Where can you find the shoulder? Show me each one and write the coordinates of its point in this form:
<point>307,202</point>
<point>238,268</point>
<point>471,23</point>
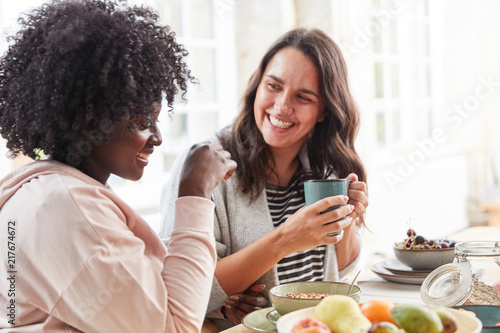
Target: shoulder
<point>229,196</point>
<point>62,190</point>
<point>48,179</point>
<point>65,207</point>
<point>71,186</point>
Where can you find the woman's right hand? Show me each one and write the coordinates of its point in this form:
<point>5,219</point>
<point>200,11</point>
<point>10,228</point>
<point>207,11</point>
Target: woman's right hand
<point>206,165</point>
<point>238,305</point>
<point>308,227</point>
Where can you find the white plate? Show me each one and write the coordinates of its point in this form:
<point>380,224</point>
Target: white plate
<point>397,267</point>
<point>386,274</point>
<point>467,323</point>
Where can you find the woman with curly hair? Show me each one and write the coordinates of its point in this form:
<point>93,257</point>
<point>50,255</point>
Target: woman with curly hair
<point>82,83</point>
<point>298,122</point>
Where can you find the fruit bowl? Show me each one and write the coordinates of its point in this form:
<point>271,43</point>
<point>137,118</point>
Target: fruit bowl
<point>420,253</point>
<point>285,298</point>
<point>424,259</point>
<point>466,323</point>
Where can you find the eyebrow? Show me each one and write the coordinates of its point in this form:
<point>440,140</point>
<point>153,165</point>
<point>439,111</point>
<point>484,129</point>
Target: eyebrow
<point>305,91</point>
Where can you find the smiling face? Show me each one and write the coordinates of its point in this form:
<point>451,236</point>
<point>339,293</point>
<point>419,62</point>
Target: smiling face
<point>288,102</point>
<point>126,152</point>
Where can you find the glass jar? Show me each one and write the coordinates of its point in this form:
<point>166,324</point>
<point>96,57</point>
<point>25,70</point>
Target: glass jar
<point>469,279</point>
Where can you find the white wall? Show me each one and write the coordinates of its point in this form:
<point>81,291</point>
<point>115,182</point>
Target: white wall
<point>432,198</point>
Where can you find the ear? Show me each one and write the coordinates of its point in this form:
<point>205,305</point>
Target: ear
<point>322,116</point>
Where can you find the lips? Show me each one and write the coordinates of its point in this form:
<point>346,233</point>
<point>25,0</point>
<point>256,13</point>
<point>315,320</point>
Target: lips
<point>279,123</point>
<point>143,157</point>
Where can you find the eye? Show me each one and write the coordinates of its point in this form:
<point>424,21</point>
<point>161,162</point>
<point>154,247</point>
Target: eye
<point>303,98</point>
<point>144,125</point>
<point>272,86</point>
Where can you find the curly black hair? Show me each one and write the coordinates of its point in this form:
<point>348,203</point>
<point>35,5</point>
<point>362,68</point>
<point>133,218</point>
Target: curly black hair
<point>77,68</point>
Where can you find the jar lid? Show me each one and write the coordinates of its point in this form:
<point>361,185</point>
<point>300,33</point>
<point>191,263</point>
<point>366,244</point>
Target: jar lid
<point>448,285</point>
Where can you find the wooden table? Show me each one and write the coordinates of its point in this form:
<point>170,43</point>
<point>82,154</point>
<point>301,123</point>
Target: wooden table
<point>374,287</point>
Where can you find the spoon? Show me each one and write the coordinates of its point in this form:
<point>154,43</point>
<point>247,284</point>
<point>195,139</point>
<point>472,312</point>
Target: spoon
<point>349,290</point>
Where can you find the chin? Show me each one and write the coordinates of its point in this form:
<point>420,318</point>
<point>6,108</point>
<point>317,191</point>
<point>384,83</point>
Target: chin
<point>133,176</point>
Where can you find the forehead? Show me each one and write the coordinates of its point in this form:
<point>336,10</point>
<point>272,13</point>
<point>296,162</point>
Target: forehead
<point>294,67</point>
<point>152,110</point>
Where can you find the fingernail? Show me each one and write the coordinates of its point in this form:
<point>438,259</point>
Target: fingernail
<point>234,298</point>
<point>227,306</point>
<point>346,198</point>
<point>351,208</point>
<point>349,219</point>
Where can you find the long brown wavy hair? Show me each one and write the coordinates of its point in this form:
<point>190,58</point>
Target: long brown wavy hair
<point>330,143</point>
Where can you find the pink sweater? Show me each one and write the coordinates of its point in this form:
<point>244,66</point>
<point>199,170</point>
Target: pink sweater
<point>74,257</point>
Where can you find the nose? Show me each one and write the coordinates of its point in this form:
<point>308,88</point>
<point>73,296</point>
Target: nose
<point>155,137</point>
<point>283,104</point>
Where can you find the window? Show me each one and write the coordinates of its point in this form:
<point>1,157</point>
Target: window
<point>9,13</point>
<point>206,29</point>
<point>403,76</point>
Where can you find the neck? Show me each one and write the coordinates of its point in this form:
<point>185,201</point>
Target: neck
<point>285,167</point>
<point>94,171</point>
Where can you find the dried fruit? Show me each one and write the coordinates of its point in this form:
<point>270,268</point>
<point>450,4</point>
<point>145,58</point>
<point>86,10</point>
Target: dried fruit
<point>415,242</point>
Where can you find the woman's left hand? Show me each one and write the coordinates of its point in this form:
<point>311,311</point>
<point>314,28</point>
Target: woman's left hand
<point>358,196</point>
<point>238,305</point>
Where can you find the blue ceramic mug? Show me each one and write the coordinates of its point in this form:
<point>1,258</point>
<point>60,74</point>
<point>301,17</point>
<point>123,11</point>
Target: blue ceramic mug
<point>317,189</point>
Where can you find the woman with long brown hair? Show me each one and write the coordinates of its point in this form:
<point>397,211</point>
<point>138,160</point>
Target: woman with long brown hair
<point>298,122</point>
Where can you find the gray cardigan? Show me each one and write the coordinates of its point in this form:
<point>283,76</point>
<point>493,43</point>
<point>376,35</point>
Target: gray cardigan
<point>238,223</point>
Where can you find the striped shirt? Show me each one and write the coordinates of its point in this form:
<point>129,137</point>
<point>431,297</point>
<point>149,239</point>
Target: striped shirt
<point>302,265</point>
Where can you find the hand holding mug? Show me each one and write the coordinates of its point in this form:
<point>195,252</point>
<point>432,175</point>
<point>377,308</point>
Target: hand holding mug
<point>315,190</point>
<point>311,226</point>
<point>358,196</point>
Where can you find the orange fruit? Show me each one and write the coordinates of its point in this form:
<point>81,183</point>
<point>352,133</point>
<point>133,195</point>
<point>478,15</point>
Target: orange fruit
<point>377,310</point>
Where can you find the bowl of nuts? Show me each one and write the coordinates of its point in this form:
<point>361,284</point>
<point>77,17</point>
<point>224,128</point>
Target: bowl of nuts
<point>421,253</point>
<point>293,296</point>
